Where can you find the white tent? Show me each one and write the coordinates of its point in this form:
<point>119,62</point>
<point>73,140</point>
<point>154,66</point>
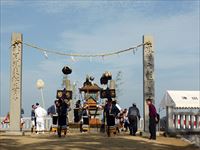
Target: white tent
<point>181,99</point>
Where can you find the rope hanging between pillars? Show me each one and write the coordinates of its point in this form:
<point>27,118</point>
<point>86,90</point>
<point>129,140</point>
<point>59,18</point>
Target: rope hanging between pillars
<point>46,51</point>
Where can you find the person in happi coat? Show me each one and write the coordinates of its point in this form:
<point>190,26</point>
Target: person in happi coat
<point>111,111</point>
<point>33,118</point>
<point>62,115</point>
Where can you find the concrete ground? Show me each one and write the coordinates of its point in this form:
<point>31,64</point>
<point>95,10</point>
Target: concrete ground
<point>90,141</point>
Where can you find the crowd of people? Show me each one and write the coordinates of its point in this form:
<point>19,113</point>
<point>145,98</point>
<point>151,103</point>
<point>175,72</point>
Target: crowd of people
<point>128,119</point>
<point>58,112</point>
<point>123,119</point>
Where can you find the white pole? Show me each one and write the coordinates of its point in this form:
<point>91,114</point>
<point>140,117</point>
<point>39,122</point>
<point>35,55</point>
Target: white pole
<point>184,121</point>
<point>42,97</point>
<point>40,86</point>
<point>199,122</point>
<point>179,121</point>
<point>195,123</point>
<point>174,121</point>
<point>189,121</point>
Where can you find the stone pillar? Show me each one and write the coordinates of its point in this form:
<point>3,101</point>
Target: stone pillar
<point>169,114</point>
<point>15,82</point>
<point>112,84</point>
<point>148,77</point>
<point>67,85</point>
<point>69,88</point>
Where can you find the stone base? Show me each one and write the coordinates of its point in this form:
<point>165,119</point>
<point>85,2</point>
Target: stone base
<point>158,133</point>
<point>147,134</point>
<point>15,133</point>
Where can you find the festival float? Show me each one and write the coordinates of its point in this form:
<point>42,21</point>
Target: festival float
<point>91,113</point>
<point>91,110</point>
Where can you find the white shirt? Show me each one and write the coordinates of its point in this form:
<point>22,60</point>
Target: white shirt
<point>40,112</point>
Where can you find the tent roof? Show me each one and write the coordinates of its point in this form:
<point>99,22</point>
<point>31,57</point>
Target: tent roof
<point>181,99</point>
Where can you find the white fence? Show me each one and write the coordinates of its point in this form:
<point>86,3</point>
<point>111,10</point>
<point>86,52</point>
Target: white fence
<point>183,122</point>
<point>48,123</point>
<point>27,124</point>
<point>186,121</point>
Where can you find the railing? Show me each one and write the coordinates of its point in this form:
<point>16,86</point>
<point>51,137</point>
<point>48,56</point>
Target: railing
<point>141,124</point>
<point>184,122</point>
<point>27,124</point>
<point>48,122</point>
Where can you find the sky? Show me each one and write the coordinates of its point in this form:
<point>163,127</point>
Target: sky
<point>92,27</point>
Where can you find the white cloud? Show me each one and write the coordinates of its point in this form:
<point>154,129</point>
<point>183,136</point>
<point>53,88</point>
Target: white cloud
<point>176,44</point>
<point>9,2</point>
<point>172,35</point>
<point>8,29</point>
<point>58,6</point>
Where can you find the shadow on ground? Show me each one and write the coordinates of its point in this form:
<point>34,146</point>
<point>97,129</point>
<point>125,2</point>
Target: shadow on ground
<point>86,141</point>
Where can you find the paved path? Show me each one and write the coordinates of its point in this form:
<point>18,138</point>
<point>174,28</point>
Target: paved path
<point>90,141</point>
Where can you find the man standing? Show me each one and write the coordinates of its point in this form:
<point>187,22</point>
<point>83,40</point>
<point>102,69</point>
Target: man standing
<point>33,118</point>
<point>84,125</point>
<point>133,116</point>
<point>52,112</point>
<point>77,111</point>
<point>52,109</point>
<point>126,122</point>
<point>40,113</point>
<point>62,115</point>
<point>111,111</point>
<point>152,119</point>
